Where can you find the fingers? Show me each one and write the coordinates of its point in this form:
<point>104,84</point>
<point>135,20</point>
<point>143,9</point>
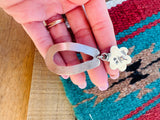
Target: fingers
<point>60,34</point>
<point>83,35</point>
<point>102,28</point>
<point>39,35</point>
<point>41,39</point>
<point>101,23</point>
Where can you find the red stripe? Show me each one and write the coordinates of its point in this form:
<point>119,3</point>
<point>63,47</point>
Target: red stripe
<point>153,114</point>
<point>139,30</point>
<point>140,108</point>
<point>132,11</point>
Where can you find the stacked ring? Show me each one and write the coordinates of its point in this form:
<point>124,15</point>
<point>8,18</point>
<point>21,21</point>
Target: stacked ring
<point>55,22</point>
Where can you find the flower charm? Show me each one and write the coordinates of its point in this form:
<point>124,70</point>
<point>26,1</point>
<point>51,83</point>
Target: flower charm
<point>118,58</point>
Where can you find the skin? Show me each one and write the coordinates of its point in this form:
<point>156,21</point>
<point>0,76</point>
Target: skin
<point>96,31</point>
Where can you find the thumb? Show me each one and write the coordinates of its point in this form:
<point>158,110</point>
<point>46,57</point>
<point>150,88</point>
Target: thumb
<point>79,2</point>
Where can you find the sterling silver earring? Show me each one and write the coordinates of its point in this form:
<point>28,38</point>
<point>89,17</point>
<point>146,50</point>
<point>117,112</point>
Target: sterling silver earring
<point>117,58</point>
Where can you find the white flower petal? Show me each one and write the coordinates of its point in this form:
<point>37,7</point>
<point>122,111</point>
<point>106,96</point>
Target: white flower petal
<point>129,59</point>
<point>113,66</point>
<point>114,49</point>
<point>122,67</point>
<point>124,49</point>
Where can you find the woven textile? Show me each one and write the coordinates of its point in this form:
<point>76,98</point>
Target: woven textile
<point>135,95</point>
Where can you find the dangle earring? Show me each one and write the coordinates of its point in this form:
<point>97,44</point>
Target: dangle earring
<point>117,58</point>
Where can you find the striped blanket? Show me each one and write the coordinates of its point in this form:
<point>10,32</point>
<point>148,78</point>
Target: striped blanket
<point>135,95</point>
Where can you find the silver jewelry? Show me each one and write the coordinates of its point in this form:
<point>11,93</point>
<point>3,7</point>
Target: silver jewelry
<point>54,23</point>
<point>117,58</point>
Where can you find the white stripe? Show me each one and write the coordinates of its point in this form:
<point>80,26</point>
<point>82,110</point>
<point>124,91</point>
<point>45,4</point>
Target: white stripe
<point>114,3</point>
<point>90,116</point>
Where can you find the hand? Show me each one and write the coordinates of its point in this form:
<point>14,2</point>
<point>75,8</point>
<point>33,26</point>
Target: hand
<point>95,30</point>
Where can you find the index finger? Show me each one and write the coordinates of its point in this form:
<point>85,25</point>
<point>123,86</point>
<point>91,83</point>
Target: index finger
<point>102,28</point>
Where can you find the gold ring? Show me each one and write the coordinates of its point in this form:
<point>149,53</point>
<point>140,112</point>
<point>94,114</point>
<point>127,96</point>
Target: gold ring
<point>55,22</point>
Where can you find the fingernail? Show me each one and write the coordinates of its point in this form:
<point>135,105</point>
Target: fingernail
<point>103,88</point>
<point>114,76</point>
<point>65,76</point>
<point>82,86</point>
